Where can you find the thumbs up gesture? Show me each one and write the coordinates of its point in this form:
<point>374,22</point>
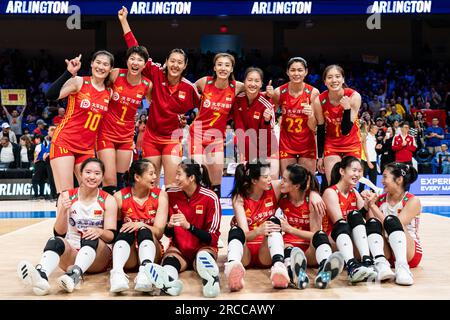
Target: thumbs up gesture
<point>269,89</point>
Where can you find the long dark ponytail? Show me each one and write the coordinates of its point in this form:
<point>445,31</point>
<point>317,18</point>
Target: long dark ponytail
<point>346,162</point>
<point>200,172</point>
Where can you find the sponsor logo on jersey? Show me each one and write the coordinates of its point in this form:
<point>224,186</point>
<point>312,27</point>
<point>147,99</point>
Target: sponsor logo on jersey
<point>353,204</point>
<point>257,115</point>
<point>182,95</point>
<point>228,98</point>
<point>151,212</point>
<point>72,222</point>
<point>119,88</point>
<point>199,209</point>
<point>207,103</point>
<point>115,96</point>
<point>129,211</point>
<point>139,96</point>
<point>98,212</point>
<point>248,212</point>
<point>85,103</point>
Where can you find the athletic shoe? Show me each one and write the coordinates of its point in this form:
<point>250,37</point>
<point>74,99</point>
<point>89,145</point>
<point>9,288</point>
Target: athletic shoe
<point>209,271</point>
<point>403,275</point>
<point>159,278</point>
<point>356,271</point>
<point>383,268</point>
<point>34,278</point>
<point>235,272</point>
<point>329,269</point>
<point>367,262</point>
<point>279,276</point>
<point>70,279</point>
<point>298,266</point>
<point>142,283</point>
<point>118,281</point>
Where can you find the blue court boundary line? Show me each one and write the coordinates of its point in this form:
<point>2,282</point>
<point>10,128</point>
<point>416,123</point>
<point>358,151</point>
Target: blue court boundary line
<point>437,210</point>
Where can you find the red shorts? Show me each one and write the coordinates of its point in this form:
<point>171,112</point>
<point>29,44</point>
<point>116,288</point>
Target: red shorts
<point>189,256</point>
<point>154,149</point>
<point>254,255</point>
<point>330,150</point>
<point>414,262</point>
<point>199,148</point>
<point>104,143</point>
<point>289,154</point>
<point>58,152</point>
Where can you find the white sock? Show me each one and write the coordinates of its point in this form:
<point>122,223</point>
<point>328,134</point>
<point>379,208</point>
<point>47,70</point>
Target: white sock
<point>85,258</point>
<point>49,262</point>
<point>121,253</point>
<point>171,271</point>
<point>359,235</point>
<point>323,252</point>
<point>276,244</point>
<point>235,250</point>
<point>397,241</point>
<point>345,246</point>
<point>147,251</point>
<point>376,244</point>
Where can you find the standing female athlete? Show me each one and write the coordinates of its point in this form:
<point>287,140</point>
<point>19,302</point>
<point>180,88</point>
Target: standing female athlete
<point>115,136</point>
<point>207,131</point>
<point>302,229</point>
<point>338,133</point>
<point>172,97</point>
<point>142,218</point>
<point>85,225</point>
<point>74,138</point>
<point>298,123</point>
<point>254,119</point>
<point>194,223</point>
<point>345,218</point>
<point>399,211</point>
<point>255,239</point>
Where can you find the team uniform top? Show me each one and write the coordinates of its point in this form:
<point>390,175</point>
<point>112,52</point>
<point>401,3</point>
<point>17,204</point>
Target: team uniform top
<point>333,119</point>
<point>118,124</point>
<point>295,134</point>
<point>258,211</point>
<point>215,107</point>
<point>297,217</point>
<point>168,102</point>
<point>203,211</point>
<point>413,226</point>
<point>347,205</point>
<point>250,116</point>
<point>132,211</point>
<point>83,216</point>
<point>77,132</point>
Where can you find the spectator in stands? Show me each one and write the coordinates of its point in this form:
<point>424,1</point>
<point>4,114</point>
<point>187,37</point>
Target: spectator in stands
<point>374,104</point>
<point>404,145</point>
<point>421,126</point>
<point>40,129</point>
<point>381,130</point>
<point>442,158</point>
<point>394,116</point>
<point>26,152</point>
<point>15,120</point>
<point>382,114</point>
<point>436,99</point>
<point>40,168</point>
<point>46,157</point>
<point>59,117</point>
<point>7,132</point>
<point>434,136</point>
<point>9,153</point>
<point>396,127</point>
<point>398,106</point>
<point>370,164</point>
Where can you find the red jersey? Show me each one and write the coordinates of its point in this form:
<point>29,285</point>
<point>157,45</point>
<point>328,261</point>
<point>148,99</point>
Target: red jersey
<point>297,217</point>
<point>132,211</point>
<point>258,211</point>
<point>403,153</point>
<point>215,106</point>
<point>202,210</point>
<point>85,110</point>
<point>347,205</point>
<point>118,124</point>
<point>333,119</point>
<point>167,105</point>
<point>250,117</point>
<point>295,134</point>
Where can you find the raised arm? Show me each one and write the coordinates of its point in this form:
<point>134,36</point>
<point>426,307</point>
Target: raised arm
<point>68,82</point>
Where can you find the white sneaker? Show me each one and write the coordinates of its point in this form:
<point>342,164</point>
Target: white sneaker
<point>70,279</point>
<point>383,269</point>
<point>298,266</point>
<point>403,275</point>
<point>30,276</point>
<point>329,269</point>
<point>235,272</point>
<point>209,271</point>
<point>159,278</point>
<point>118,281</point>
<point>279,276</point>
<point>142,283</point>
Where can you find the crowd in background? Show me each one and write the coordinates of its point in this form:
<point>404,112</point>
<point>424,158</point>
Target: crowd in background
<point>395,100</point>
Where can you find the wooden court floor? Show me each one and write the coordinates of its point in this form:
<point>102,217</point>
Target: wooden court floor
<point>432,277</point>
